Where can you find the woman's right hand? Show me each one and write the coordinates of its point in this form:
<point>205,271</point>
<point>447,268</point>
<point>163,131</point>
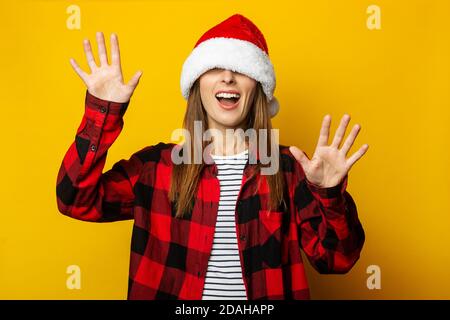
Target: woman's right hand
<point>106,81</point>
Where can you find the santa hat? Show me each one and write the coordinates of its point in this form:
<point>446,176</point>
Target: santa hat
<point>235,44</point>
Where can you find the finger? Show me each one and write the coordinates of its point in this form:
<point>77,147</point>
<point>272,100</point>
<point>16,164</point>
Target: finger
<point>357,155</point>
<point>115,52</point>
<point>135,79</point>
<point>300,156</point>
<point>351,138</point>
<point>340,132</point>
<point>102,49</point>
<point>78,70</point>
<point>89,56</point>
<point>324,131</point>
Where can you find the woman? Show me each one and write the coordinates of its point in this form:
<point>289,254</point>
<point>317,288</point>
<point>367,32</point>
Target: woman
<point>218,229</point>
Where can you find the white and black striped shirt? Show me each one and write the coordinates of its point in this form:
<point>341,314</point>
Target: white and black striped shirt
<point>224,274</point>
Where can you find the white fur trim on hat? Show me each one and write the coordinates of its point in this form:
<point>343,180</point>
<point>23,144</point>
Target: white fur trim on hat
<point>274,107</point>
<point>232,54</point>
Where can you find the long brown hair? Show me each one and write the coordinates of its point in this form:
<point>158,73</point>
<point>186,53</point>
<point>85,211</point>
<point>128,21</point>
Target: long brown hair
<point>185,177</point>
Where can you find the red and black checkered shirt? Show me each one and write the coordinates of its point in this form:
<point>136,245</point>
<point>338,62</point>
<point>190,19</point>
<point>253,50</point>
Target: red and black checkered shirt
<point>169,256</point>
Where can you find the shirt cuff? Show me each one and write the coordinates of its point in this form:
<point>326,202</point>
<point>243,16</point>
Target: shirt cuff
<point>105,106</point>
<point>329,196</point>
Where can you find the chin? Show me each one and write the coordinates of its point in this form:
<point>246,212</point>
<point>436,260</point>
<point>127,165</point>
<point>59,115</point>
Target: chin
<point>230,121</point>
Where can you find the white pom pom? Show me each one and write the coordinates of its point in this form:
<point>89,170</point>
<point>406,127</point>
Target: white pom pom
<point>274,107</point>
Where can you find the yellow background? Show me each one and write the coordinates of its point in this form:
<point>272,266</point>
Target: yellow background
<point>394,82</point>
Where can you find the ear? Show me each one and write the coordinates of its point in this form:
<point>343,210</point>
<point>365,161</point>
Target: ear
<point>274,107</point>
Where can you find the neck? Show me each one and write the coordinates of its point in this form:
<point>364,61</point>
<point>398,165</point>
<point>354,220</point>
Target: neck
<point>225,144</point>
<point>228,143</point>
<point>228,149</point>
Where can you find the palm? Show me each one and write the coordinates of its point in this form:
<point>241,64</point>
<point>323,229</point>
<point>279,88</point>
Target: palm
<point>327,167</point>
<point>106,81</point>
<point>329,164</point>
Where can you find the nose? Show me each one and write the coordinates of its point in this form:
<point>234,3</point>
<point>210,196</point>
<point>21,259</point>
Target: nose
<point>228,76</point>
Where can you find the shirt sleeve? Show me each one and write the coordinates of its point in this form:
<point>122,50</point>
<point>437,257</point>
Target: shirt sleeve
<point>83,191</point>
<point>330,232</point>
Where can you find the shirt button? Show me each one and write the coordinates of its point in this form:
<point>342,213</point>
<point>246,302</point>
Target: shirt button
<point>242,237</point>
<point>199,273</point>
<point>93,147</point>
<point>103,109</point>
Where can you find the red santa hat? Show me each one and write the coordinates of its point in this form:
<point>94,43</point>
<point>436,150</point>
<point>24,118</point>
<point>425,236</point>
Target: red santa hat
<point>234,44</point>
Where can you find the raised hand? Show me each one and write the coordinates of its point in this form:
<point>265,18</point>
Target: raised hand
<point>329,165</point>
<point>106,81</point>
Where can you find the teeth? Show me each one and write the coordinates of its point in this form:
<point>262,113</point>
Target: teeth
<point>227,95</point>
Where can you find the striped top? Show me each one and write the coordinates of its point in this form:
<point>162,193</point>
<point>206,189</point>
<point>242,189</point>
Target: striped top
<point>224,274</point>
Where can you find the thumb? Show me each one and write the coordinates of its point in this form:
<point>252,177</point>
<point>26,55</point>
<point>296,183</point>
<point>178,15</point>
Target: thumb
<point>300,156</point>
<point>135,79</point>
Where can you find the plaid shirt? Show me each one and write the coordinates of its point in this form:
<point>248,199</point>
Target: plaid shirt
<point>169,256</point>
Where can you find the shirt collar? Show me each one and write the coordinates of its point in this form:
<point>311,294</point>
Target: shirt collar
<point>248,169</point>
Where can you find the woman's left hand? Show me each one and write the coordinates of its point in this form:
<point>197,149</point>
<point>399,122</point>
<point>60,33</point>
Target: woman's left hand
<point>329,165</point>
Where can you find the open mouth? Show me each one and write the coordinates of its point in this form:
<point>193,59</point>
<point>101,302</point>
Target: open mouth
<point>228,100</point>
